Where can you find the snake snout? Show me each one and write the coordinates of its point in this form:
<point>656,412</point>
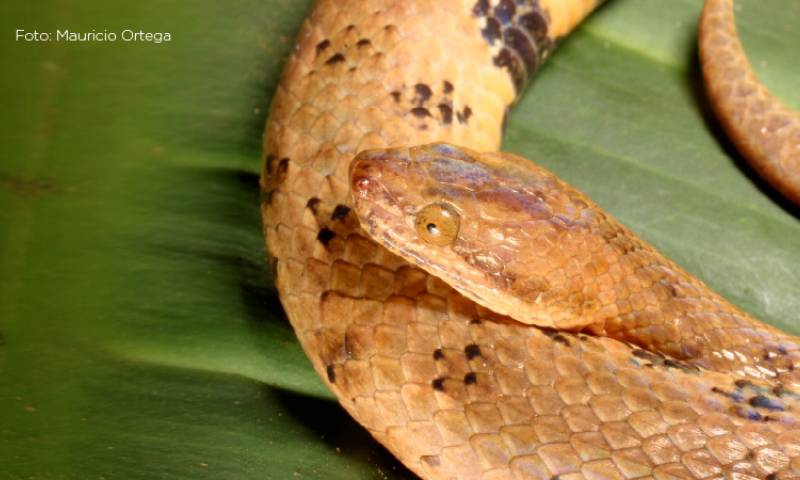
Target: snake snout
<point>368,167</point>
<point>364,174</point>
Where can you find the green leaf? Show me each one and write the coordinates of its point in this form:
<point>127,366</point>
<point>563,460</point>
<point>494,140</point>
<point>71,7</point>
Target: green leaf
<point>140,336</point>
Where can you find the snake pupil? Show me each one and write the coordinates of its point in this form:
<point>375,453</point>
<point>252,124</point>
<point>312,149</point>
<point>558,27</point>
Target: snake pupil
<point>437,224</point>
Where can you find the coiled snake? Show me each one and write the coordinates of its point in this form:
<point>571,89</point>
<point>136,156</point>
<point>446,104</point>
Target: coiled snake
<point>549,341</point>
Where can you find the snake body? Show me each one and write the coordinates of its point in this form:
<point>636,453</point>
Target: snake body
<point>764,130</point>
<point>667,380</point>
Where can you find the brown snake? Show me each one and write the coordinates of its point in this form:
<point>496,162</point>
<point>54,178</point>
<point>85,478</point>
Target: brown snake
<point>655,376</point>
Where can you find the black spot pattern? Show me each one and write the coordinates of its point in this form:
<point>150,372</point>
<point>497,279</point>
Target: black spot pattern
<point>438,384</point>
<point>336,58</point>
<point>420,112</point>
<point>331,374</point>
<point>424,92</point>
<point>463,116</point>
<point>747,413</point>
<point>313,204</point>
<point>481,8</point>
<point>430,103</point>
<point>446,113</point>
<point>340,212</point>
<point>735,396</point>
<point>283,165</point>
<point>325,236</point>
<point>752,401</point>
<point>762,401</point>
<point>470,378</point>
<point>472,351</point>
<point>517,30</point>
<point>321,46</point>
<point>561,339</point>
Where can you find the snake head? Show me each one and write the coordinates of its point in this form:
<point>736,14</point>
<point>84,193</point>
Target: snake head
<point>497,228</point>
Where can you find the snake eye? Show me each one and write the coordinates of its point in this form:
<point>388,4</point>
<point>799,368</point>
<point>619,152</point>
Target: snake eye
<point>437,224</point>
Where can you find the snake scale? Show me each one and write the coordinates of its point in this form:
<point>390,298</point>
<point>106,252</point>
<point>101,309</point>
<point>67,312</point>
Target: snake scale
<point>586,353</point>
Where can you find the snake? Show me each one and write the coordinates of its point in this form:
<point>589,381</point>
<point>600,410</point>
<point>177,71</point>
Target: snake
<point>480,317</point>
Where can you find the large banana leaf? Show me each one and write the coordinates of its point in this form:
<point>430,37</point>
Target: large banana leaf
<point>140,335</point>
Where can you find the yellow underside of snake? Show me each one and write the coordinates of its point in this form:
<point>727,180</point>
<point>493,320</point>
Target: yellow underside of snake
<point>479,316</point>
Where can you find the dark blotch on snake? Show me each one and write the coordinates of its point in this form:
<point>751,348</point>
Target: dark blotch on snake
<point>331,374</point>
<point>395,95</point>
<point>281,170</point>
<point>675,364</point>
<point>340,212</point>
<point>735,396</point>
<point>551,332</point>
<point>470,378</point>
<point>420,112</point>
<point>472,351</point>
<point>337,58</point>
<point>517,40</point>
<point>746,413</point>
<point>505,11</point>
<point>761,401</point>
<point>446,112</point>
<point>438,354</point>
<point>561,339</point>
<point>481,9</point>
<point>364,42</point>
<point>313,204</point>
<point>535,23</point>
<point>424,92</point>
<point>321,46</point>
<point>463,116</point>
<point>438,384</point>
<point>491,31</point>
<point>448,87</point>
<point>325,236</point>
<point>743,383</point>
<point>283,166</point>
<point>510,61</point>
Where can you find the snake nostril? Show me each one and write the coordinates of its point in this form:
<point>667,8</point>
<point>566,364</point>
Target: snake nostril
<point>361,185</point>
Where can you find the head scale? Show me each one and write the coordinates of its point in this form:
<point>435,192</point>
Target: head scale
<point>494,226</point>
